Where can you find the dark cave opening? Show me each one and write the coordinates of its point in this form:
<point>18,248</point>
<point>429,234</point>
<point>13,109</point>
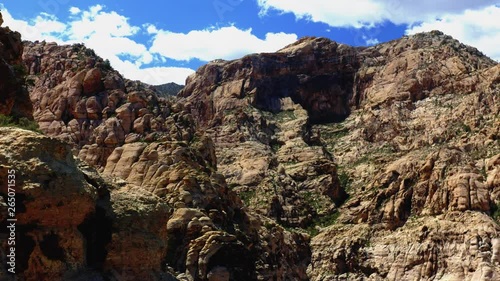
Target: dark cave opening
<point>236,259</point>
<point>50,247</point>
<point>97,230</point>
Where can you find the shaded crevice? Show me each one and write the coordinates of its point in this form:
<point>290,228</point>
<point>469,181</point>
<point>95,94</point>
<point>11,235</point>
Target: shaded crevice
<point>25,244</point>
<point>241,268</point>
<point>97,230</point>
<point>50,247</point>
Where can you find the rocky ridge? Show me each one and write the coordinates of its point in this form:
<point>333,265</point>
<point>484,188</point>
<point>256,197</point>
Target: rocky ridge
<point>388,153</point>
<point>414,138</point>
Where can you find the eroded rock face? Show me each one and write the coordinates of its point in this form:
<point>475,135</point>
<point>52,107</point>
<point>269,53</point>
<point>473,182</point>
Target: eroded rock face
<point>259,111</point>
<point>207,226</point>
<point>417,156</point>
<point>80,99</point>
<point>14,99</point>
<point>419,140</point>
<point>417,251</point>
<point>52,200</point>
<point>416,67</point>
<point>314,72</point>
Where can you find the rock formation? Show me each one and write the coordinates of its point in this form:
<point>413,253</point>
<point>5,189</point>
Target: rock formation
<point>52,200</point>
<point>414,141</point>
<point>155,209</point>
<point>14,99</point>
<point>318,162</point>
<point>79,98</point>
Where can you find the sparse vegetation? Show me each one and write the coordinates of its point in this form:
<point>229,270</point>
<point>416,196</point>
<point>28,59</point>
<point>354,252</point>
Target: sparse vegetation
<point>375,153</point>
<point>107,65</point>
<point>312,200</point>
<point>323,221</point>
<point>23,123</point>
<point>246,196</point>
<point>345,180</point>
<point>275,146</point>
<point>466,128</point>
<point>334,133</point>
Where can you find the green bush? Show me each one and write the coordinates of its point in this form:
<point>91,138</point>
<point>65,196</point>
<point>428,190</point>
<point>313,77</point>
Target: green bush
<point>345,180</point>
<point>23,123</point>
<point>322,221</point>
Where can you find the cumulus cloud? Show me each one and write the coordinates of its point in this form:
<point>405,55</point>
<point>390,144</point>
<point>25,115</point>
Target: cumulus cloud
<point>366,13</point>
<point>113,37</point>
<point>74,10</point>
<point>221,43</point>
<point>478,28</point>
<point>108,33</point>
<point>42,27</point>
<point>370,41</point>
<point>151,29</point>
<point>472,22</point>
<point>96,21</point>
<point>341,13</point>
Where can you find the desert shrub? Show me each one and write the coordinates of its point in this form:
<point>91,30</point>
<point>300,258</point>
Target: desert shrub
<point>22,123</point>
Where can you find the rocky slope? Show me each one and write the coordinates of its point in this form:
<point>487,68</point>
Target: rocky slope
<point>318,162</point>
<point>420,157</point>
<point>169,89</point>
<point>143,200</point>
<point>414,143</point>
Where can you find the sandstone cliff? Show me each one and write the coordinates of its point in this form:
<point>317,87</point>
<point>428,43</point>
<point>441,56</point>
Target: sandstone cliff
<point>318,162</point>
<point>410,129</point>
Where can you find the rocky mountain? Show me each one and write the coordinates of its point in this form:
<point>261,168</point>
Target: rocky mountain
<point>169,89</point>
<point>318,162</point>
<point>409,130</point>
<point>121,187</point>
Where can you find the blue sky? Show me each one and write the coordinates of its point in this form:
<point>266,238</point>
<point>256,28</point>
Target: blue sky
<point>163,41</point>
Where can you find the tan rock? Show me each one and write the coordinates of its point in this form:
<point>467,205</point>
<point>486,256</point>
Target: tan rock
<point>61,199</point>
<point>411,253</point>
<point>139,236</point>
<point>92,83</point>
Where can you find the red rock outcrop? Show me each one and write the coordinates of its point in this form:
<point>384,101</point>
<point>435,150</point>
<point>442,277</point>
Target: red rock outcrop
<point>14,99</point>
<point>259,111</point>
<point>78,98</point>
<point>417,155</point>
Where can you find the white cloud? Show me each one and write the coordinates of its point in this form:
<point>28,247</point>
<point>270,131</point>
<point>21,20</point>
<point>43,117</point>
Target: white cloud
<point>112,37</point>
<point>342,13</point>
<point>42,27</point>
<point>108,33</point>
<point>370,41</point>
<point>99,22</point>
<point>221,43</point>
<point>366,13</point>
<point>151,29</point>
<point>74,10</point>
<point>156,75</point>
<point>472,22</point>
<point>478,28</point>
